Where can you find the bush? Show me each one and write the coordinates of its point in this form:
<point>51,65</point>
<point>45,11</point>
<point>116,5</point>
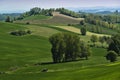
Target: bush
<point>27,23</point>
<point>69,24</point>
<point>20,33</point>
<point>29,32</point>
<point>44,70</point>
<point>112,56</point>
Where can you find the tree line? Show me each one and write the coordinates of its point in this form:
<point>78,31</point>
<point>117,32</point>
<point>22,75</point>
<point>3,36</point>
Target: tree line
<point>106,21</point>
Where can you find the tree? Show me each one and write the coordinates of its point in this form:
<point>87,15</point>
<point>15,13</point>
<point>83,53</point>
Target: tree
<point>85,50</point>
<point>115,44</point>
<point>82,22</point>
<point>7,19</point>
<point>83,30</point>
<point>112,56</point>
<point>72,46</point>
<point>101,40</point>
<point>94,39</point>
<point>116,12</point>
<point>58,47</point>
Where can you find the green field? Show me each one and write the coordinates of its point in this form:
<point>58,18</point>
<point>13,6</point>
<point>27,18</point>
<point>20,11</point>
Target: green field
<point>23,57</point>
<point>37,17</point>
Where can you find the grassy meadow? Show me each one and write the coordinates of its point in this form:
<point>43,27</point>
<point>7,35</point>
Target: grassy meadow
<point>24,57</point>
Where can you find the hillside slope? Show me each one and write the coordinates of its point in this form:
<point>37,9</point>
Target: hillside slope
<point>56,19</point>
<point>23,58</point>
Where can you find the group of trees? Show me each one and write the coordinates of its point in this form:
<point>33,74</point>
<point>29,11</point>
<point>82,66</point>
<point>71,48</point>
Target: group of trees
<point>12,16</point>
<point>9,19</point>
<point>68,12</point>
<point>101,39</point>
<point>48,12</point>
<point>113,45</point>
<point>114,48</point>
<point>37,11</point>
<point>106,21</point>
<point>20,32</point>
<point>68,47</point>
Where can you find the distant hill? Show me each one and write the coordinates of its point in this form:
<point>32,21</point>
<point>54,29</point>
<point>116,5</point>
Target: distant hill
<point>12,15</point>
<point>94,9</point>
<point>104,12</point>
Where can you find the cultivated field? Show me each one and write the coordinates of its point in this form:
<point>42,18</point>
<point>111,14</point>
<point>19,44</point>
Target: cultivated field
<point>56,19</point>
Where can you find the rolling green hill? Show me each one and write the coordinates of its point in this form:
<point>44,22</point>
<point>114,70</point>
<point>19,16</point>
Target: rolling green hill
<point>24,57</point>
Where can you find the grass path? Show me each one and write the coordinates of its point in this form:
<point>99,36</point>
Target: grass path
<point>76,30</point>
<point>41,31</point>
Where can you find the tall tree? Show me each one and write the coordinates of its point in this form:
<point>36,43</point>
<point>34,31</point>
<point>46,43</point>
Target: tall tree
<point>83,30</point>
<point>115,44</point>
<point>85,50</point>
<point>72,46</point>
<point>58,47</point>
<point>101,40</point>
<point>7,19</point>
<point>116,13</point>
<point>94,39</point>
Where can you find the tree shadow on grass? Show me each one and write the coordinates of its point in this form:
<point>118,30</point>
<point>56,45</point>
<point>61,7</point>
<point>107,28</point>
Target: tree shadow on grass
<point>49,63</point>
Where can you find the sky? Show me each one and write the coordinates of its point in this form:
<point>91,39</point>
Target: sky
<point>7,6</point>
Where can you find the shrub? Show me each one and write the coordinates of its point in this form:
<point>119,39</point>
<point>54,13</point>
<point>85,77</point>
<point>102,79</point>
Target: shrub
<point>29,32</point>
<point>44,70</point>
<point>20,32</point>
<point>112,56</point>
<point>27,23</point>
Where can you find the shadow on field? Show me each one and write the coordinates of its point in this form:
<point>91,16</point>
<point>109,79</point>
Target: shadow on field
<point>44,63</point>
<point>48,63</point>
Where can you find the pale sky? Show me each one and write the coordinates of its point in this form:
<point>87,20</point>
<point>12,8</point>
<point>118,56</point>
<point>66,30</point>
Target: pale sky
<point>25,5</point>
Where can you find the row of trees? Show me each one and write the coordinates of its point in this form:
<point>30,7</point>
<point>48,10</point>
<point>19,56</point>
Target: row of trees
<point>107,21</point>
<point>98,29</point>
<point>101,39</point>
<point>36,11</point>
<point>68,47</point>
<point>68,12</point>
